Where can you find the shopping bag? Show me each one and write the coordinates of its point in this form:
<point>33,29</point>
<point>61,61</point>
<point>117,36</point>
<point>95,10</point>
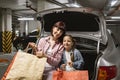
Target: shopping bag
<point>25,66</point>
<point>71,75</point>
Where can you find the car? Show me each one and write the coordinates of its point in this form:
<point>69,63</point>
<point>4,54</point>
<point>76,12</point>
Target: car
<point>96,43</point>
<point>22,41</point>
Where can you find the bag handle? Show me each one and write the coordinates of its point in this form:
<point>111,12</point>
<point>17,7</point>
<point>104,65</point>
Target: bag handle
<point>34,48</point>
<point>60,73</point>
<point>26,49</point>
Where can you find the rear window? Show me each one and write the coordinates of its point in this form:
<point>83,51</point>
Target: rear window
<point>75,21</point>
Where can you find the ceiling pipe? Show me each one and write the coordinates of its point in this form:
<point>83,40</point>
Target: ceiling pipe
<point>29,6</point>
<point>114,10</point>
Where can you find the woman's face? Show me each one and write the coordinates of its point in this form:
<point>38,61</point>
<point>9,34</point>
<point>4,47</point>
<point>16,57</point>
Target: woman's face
<point>67,43</point>
<point>57,32</point>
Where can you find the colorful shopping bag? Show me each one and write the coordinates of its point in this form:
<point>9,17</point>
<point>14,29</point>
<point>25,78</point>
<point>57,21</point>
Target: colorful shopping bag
<point>71,75</point>
<point>25,66</point>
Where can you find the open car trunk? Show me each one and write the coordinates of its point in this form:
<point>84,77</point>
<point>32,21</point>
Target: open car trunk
<point>77,20</point>
<point>85,27</point>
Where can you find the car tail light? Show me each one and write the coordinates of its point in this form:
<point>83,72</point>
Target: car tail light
<point>107,72</point>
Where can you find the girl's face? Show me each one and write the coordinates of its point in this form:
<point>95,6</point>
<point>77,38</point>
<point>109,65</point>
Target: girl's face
<point>57,32</point>
<point>67,43</point>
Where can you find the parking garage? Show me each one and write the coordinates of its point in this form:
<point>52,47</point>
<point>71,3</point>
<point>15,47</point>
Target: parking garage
<point>20,21</point>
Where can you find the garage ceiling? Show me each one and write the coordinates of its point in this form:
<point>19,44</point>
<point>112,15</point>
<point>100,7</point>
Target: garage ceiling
<point>29,7</point>
<point>20,7</point>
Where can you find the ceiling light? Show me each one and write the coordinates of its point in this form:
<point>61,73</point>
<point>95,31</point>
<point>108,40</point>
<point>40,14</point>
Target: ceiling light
<point>115,17</point>
<point>25,18</point>
<point>113,2</point>
<point>62,1</point>
<point>75,5</point>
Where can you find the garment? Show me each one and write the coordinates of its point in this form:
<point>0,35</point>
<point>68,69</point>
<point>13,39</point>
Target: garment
<point>53,58</point>
<point>77,60</point>
<point>68,56</point>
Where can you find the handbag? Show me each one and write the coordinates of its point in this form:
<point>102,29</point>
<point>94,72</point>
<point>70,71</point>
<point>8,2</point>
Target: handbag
<point>25,66</point>
<point>70,75</point>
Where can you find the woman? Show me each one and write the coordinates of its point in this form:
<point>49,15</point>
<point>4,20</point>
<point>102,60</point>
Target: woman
<point>71,58</point>
<point>51,47</point>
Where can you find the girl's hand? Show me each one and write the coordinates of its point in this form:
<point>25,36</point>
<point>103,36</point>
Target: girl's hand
<point>71,64</point>
<point>63,66</point>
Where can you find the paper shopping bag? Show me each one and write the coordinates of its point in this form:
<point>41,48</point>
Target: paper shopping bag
<point>25,66</point>
<point>71,75</point>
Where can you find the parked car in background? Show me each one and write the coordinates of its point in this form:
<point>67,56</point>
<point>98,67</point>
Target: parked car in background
<point>22,41</point>
<point>99,49</point>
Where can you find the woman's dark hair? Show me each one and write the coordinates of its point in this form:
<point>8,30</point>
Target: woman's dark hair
<point>61,25</point>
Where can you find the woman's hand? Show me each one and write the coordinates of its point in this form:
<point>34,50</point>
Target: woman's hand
<point>40,54</point>
<point>33,46</point>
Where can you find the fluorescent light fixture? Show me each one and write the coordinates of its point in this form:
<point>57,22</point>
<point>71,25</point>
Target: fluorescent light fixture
<point>115,17</point>
<point>111,20</point>
<point>62,1</point>
<point>75,5</point>
<point>25,18</point>
<point>113,2</point>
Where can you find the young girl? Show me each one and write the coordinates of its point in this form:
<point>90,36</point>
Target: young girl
<point>71,58</point>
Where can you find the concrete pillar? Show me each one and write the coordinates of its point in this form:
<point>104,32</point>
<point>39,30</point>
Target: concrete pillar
<point>26,27</point>
<point>0,30</point>
<point>6,27</point>
<point>6,20</point>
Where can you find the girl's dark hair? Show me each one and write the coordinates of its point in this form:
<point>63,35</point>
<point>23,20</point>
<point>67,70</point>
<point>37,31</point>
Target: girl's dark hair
<point>61,25</point>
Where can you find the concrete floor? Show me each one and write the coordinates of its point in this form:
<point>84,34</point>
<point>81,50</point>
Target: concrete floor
<point>8,56</point>
<point>4,65</point>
